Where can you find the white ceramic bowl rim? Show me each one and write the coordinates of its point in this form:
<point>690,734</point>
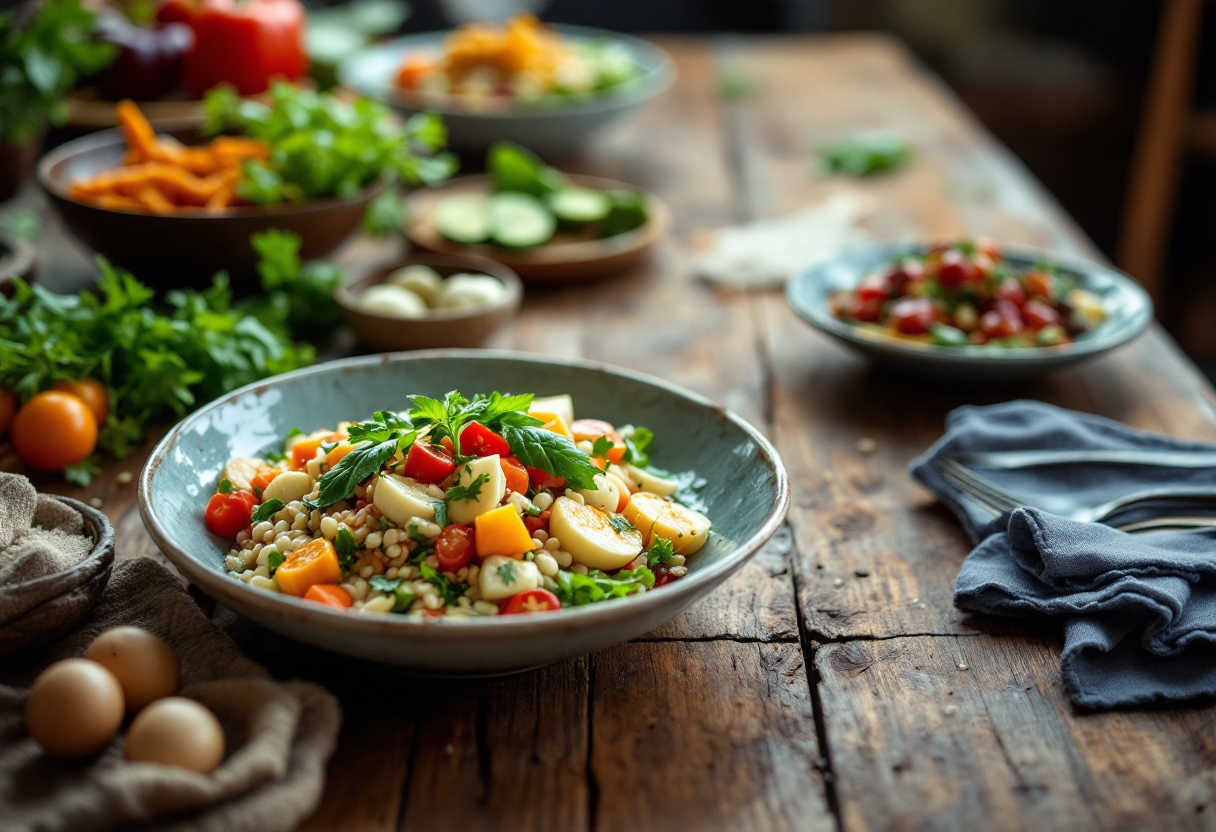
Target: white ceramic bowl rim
<point>221,585</point>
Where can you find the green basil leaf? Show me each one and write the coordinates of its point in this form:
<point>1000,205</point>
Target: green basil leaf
<point>265,511</point>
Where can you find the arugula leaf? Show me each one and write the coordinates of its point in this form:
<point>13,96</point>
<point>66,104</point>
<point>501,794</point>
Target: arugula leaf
<point>620,524</point>
<point>265,511</point>
<point>226,487</point>
<point>659,552</point>
<point>508,573</point>
<point>552,453</point>
<point>642,575</point>
<point>344,545</point>
<point>575,590</point>
<point>448,589</point>
<point>274,560</point>
<point>467,492</point>
<point>375,441</point>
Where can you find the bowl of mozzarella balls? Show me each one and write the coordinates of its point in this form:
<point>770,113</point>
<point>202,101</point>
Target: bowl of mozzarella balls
<point>430,301</point>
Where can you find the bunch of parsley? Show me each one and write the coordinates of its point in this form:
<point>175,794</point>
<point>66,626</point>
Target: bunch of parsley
<point>300,294</point>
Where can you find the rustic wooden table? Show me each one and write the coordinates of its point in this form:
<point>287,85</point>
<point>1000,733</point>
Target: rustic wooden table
<point>830,684</point>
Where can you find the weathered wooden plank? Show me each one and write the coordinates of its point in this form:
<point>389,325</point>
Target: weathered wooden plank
<point>977,733</point>
<point>704,735</point>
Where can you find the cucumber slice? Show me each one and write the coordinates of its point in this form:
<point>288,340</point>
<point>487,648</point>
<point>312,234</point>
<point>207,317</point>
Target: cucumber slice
<point>628,212</point>
<point>464,218</point>
<point>579,205</point>
<point>520,221</point>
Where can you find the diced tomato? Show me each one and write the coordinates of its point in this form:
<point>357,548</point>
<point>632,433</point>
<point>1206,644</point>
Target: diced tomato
<point>542,479</point>
<point>538,523</point>
<point>360,504</point>
<point>428,463</point>
<point>516,474</point>
<point>913,316</point>
<point>532,600</point>
<point>455,547</point>
<point>662,575</point>
<point>228,514</point>
<point>479,440</point>
<point>592,429</point>
<point>955,270</point>
<point>330,595</point>
<point>1012,291</point>
<point>1038,314</point>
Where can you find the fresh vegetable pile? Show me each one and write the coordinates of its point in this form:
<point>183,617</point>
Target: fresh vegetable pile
<point>532,203</point>
<point>82,375</point>
<point>460,507</point>
<point>967,293</point>
<point>522,62</point>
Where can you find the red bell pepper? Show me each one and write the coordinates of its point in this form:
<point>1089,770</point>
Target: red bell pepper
<point>246,43</point>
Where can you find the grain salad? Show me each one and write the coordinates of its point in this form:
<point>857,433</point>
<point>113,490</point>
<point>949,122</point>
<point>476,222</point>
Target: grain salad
<point>460,507</point>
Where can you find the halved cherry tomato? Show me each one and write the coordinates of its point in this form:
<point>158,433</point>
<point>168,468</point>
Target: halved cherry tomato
<point>532,600</point>
<point>90,391</point>
<point>516,474</point>
<point>542,479</point>
<point>1039,314</point>
<point>538,523</point>
<point>263,478</point>
<point>228,514</point>
<point>330,595</point>
<point>428,463</point>
<point>479,440</point>
<point>954,270</point>
<point>455,547</point>
<point>54,430</point>
<point>592,429</point>
<point>913,316</point>
<point>867,310</point>
<point>1012,291</point>
<point>8,408</point>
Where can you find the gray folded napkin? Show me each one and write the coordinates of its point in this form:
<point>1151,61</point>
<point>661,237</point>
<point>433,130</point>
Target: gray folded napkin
<point>1139,611</point>
<point>279,735</point>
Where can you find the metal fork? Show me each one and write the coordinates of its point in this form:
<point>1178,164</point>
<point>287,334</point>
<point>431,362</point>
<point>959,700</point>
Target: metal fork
<point>998,501</point>
<point>1012,460</point>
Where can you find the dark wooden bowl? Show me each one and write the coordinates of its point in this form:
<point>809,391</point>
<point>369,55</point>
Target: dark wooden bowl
<point>45,608</point>
<point>187,248</point>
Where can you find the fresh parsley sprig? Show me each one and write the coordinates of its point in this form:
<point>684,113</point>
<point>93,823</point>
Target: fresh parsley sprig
<point>375,441</point>
<point>661,551</point>
<point>467,492</point>
<point>552,453</point>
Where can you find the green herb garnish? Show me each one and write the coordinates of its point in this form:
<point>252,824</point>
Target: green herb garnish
<point>865,154</point>
<point>467,492</point>
<point>375,441</point>
<point>620,524</point>
<point>226,487</point>
<point>344,545</point>
<point>661,551</point>
<point>274,560</point>
<point>265,511</point>
<point>508,573</point>
<point>449,590</point>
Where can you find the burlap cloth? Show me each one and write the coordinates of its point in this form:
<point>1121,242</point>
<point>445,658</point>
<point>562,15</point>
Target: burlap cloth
<point>279,735</point>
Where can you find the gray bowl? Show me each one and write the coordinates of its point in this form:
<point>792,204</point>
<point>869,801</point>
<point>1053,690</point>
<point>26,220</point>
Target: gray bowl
<point>545,129</point>
<point>1128,307</point>
<point>746,497</point>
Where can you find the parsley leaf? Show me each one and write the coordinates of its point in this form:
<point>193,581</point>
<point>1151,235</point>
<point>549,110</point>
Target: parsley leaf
<point>508,573</point>
<point>620,524</point>
<point>375,440</point>
<point>866,153</point>
<point>449,590</point>
<point>659,552</point>
<point>467,492</point>
<point>402,597</point>
<point>274,560</point>
<point>82,473</point>
<point>637,444</point>
<point>601,447</point>
<point>552,453</point>
<point>344,545</point>
<point>226,487</point>
<point>265,511</point>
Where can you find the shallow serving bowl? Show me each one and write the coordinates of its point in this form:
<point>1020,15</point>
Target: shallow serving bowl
<point>187,248</point>
<point>545,128</point>
<point>1129,311</point>
<point>747,495</point>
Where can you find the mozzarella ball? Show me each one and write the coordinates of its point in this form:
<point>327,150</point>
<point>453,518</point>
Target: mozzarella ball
<point>393,301</point>
<point>176,731</point>
<point>144,665</point>
<point>422,280</point>
<point>74,709</point>
<point>470,290</point>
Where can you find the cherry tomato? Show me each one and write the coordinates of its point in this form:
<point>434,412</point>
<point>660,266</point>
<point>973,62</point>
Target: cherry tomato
<point>8,407</point>
<point>998,323</point>
<point>868,311</point>
<point>175,11</point>
<point>516,474</point>
<point>54,430</point>
<point>1012,291</point>
<point>913,316</point>
<point>542,480</point>
<point>1038,315</point>
<point>90,391</point>
<point>874,287</point>
<point>538,523</point>
<point>455,547</point>
<point>908,271</point>
<point>428,463</point>
<point>532,600</point>
<point>479,440</point>
<point>954,270</point>
<point>662,575</point>
<point>228,514</point>
<point>330,595</point>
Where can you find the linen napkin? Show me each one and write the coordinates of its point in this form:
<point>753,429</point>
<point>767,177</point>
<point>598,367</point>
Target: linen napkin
<point>1139,611</point>
<point>279,735</point>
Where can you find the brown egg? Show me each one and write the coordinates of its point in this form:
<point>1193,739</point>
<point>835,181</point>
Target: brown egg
<point>146,667</point>
<point>176,731</point>
<point>74,709</point>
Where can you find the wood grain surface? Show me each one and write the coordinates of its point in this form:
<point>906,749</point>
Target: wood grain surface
<point>830,684</point>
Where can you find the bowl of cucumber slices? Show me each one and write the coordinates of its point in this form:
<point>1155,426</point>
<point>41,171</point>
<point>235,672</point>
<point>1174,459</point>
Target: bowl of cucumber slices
<point>544,224</point>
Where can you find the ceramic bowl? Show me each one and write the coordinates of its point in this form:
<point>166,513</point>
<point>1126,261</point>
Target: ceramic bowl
<point>746,496</point>
<point>186,249</point>
<point>442,327</point>
<point>553,129</point>
<point>34,613</point>
<point>1128,307</point>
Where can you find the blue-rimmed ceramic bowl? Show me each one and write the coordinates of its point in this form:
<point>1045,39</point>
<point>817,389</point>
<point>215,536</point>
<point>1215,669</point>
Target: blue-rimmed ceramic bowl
<point>548,128</point>
<point>746,497</point>
<point>1129,311</point>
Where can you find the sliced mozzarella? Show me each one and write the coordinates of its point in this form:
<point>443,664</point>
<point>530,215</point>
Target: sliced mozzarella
<point>655,516</point>
<point>587,533</point>
<point>288,486</point>
<point>649,481</point>
<point>401,499</point>
<point>562,405</point>
<point>241,471</point>
<point>621,474</point>
<point>492,490</point>
<point>501,577</point>
<point>606,495</point>
<point>623,492</point>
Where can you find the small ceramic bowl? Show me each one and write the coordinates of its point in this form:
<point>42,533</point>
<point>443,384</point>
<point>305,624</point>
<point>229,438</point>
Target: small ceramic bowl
<point>440,328</point>
<point>745,496</point>
<point>38,611</point>
<point>1129,311</point>
<point>186,249</point>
